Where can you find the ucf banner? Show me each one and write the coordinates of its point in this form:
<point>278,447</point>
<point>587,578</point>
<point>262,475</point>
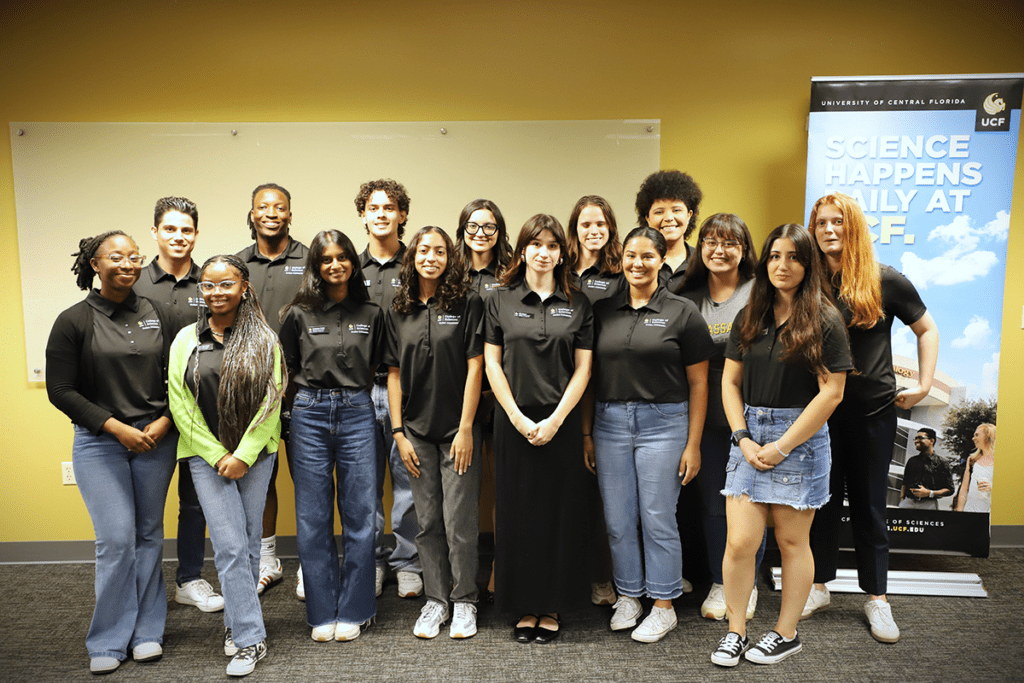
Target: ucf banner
<point>931,162</point>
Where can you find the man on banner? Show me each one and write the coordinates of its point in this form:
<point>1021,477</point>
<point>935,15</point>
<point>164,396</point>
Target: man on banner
<point>926,478</point>
<point>862,429</point>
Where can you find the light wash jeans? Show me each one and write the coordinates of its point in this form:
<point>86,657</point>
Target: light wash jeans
<point>403,515</point>
<point>191,529</point>
<point>333,434</point>
<point>125,494</point>
<point>234,513</point>
<point>638,447</point>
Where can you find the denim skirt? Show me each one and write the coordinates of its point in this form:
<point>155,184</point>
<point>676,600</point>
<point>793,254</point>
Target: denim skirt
<point>800,481</point>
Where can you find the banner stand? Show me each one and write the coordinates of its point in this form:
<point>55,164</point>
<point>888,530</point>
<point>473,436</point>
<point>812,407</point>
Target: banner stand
<point>946,584</point>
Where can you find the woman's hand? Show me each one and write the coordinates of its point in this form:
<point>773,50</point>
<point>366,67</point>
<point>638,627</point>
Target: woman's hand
<point>769,456</point>
<point>984,485</point>
<point>131,438</point>
<point>546,430</point>
<point>408,453</point>
<point>689,464</point>
<point>525,426</point>
<point>462,450</point>
<point>231,467</point>
<point>750,449</point>
<point>158,428</point>
<point>589,456</point>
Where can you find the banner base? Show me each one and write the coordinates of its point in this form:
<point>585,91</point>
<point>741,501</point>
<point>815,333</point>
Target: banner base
<point>948,584</point>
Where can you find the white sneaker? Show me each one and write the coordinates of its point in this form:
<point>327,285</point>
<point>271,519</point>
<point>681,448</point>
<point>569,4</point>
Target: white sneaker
<point>463,621</point>
<point>817,601</point>
<point>714,605</point>
<point>883,626</point>
<point>344,631</point>
<point>410,585</point>
<point>324,634</point>
<point>656,626</point>
<point>269,575</point>
<point>752,604</point>
<point>200,594</point>
<point>432,616</point>
<point>687,586</point>
<point>147,652</point>
<point>625,613</point>
<point>379,579</point>
<point>245,661</point>
<point>300,589</point>
<point>602,593</point>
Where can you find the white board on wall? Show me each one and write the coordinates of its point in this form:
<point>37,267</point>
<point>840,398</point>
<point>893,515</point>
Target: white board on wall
<point>73,180</point>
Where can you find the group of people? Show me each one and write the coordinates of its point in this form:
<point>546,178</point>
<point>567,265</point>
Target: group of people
<point>766,380</point>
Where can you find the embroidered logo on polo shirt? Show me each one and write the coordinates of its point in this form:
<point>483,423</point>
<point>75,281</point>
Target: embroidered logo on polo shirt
<point>196,302</point>
<point>359,328</point>
<point>522,314</point>
<point>655,322</point>
<point>491,286</point>
<point>320,329</point>
<point>446,319</point>
<point>396,282</point>
<point>562,312</point>
<point>367,282</point>
<point>597,284</point>
<point>293,270</point>
<point>208,346</point>
<point>152,324</point>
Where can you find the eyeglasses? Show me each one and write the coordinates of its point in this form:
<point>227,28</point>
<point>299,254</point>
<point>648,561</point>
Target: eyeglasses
<point>208,287</point>
<point>710,243</point>
<point>488,228</point>
<point>118,259</point>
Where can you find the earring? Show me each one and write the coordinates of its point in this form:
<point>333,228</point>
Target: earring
<point>245,295</point>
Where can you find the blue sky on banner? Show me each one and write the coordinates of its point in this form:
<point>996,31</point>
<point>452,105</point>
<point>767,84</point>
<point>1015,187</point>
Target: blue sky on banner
<point>943,219</point>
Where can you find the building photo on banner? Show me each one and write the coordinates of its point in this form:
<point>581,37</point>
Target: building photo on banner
<point>930,160</point>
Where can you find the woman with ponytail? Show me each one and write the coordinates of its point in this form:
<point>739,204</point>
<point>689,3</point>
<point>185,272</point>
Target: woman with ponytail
<point>225,390</point>
<point>106,360</point>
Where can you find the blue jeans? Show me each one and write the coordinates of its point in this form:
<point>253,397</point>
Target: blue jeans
<point>234,512</point>
<point>333,432</point>
<point>403,515</point>
<point>638,447</point>
<point>125,494</point>
<point>191,528</point>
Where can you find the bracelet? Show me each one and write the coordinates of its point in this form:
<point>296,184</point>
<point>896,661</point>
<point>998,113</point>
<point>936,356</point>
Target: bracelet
<point>397,430</point>
<point>784,455</point>
<point>591,434</point>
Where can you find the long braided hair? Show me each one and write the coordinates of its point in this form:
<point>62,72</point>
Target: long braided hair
<point>247,380</point>
<point>87,247</point>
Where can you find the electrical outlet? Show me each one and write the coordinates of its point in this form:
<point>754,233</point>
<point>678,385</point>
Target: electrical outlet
<point>67,474</point>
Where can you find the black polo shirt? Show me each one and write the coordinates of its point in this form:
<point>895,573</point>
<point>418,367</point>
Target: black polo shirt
<point>335,347</point>
<point>209,354</point>
<point>671,279</point>
<point>382,279</point>
<point>770,382</point>
<point>179,298</point>
<point>484,281</point>
<point>275,282</point>
<point>539,340</point>
<point>642,354</point>
<point>874,389</point>
<point>596,285</point>
<point>128,353</point>
<point>430,348</point>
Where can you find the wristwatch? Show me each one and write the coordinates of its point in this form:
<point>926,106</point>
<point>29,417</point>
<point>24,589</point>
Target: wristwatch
<point>739,435</point>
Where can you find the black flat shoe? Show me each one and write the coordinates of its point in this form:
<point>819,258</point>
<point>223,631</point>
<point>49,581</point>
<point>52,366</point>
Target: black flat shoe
<point>525,634</point>
<point>545,635</point>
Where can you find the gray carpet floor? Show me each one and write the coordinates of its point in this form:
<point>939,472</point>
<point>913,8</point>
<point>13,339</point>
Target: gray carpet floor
<point>46,612</point>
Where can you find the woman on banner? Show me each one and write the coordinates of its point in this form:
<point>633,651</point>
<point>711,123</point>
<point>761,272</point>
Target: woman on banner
<point>106,361</point>
<point>870,296</point>
<point>975,493</point>
<point>539,336</point>
<point>785,368</point>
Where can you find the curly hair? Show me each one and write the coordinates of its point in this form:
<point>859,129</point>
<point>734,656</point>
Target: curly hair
<point>722,226</point>
<point>501,251</point>
<point>179,204</point>
<point>802,336</point>
<point>260,188</point>
<point>532,229</point>
<point>454,285</point>
<point>312,292</point>
<point>246,374</point>
<point>393,189</point>
<point>609,258</point>
<point>87,247</point>
<point>671,185</point>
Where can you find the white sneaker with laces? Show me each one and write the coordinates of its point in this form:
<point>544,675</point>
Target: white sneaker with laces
<point>199,593</point>
<point>625,613</point>
<point>244,662</point>
<point>463,621</point>
<point>269,575</point>
<point>883,626</point>
<point>300,589</point>
<point>432,616</point>
<point>324,634</point>
<point>602,593</point>
<point>379,578</point>
<point>656,626</point>
<point>344,631</point>
<point>147,652</point>
<point>687,586</point>
<point>410,585</point>
<point>817,600</point>
<point>713,606</point>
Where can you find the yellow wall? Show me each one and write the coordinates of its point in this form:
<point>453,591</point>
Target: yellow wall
<point>729,81</point>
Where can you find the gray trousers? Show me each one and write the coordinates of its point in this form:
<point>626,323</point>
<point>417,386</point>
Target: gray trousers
<point>449,519</point>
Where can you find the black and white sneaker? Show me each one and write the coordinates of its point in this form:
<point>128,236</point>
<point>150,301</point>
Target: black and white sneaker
<point>773,648</point>
<point>244,662</point>
<point>230,649</point>
<point>729,649</point>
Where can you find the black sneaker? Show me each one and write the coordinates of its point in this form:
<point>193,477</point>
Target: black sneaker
<point>729,649</point>
<point>773,648</point>
<point>244,662</point>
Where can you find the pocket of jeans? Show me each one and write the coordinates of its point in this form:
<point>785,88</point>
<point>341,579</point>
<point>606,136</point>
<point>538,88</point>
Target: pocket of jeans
<point>360,400</point>
<point>670,409</point>
<point>303,401</point>
<point>786,479</point>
